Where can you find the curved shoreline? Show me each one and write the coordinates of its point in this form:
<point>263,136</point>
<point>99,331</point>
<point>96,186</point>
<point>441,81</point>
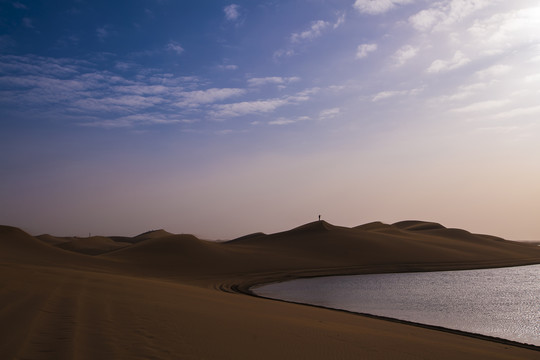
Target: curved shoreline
<point>245,288</point>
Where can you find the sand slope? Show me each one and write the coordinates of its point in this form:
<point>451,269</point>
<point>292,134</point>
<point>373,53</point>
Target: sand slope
<point>173,296</point>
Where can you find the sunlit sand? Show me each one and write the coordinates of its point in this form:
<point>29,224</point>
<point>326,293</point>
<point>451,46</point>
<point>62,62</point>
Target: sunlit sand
<point>166,296</point>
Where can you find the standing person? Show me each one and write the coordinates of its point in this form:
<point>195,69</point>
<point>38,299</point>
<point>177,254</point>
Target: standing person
<point>319,217</point>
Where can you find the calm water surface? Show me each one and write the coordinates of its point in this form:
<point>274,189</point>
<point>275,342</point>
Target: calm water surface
<point>504,302</point>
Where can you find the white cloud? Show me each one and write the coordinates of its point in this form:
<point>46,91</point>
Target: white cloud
<point>504,31</point>
<point>259,106</point>
<point>286,121</point>
<point>228,67</point>
<point>383,95</point>
<point>482,106</point>
<point>231,12</point>
<point>404,54</point>
<point>519,112</point>
<point>248,107</point>
<point>459,59</point>
<point>493,71</point>
<point>272,80</point>
<point>364,49</point>
<point>374,7</point>
<point>314,31</point>
<point>329,113</point>
<point>174,46</point>
<point>196,98</point>
<point>426,19</point>
<point>444,13</point>
<point>340,21</point>
<point>283,52</point>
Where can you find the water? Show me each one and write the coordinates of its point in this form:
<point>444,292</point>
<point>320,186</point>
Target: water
<point>503,302</point>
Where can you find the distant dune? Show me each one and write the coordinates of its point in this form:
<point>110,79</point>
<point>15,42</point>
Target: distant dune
<point>166,296</point>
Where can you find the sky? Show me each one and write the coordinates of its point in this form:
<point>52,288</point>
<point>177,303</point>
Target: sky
<point>221,118</point>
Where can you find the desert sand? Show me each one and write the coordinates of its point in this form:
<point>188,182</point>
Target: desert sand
<point>165,296</point>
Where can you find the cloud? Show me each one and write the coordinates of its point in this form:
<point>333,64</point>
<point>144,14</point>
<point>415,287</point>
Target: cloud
<point>458,60</point>
<point>374,7</point>
<point>519,112</point>
<point>82,92</point>
<point>174,46</point>
<point>231,12</point>
<point>228,67</point>
<point>383,95</point>
<point>364,49</point>
<point>27,22</point>
<point>130,121</point>
<point>248,107</point>
<point>19,5</point>
<point>504,31</point>
<point>340,21</point>
<point>272,80</point>
<point>258,106</point>
<point>482,106</point>
<point>493,71</point>
<point>314,31</point>
<point>288,121</point>
<point>444,13</point>
<point>196,98</point>
<point>404,54</point>
<point>329,113</point>
<point>283,52</point>
<point>103,32</point>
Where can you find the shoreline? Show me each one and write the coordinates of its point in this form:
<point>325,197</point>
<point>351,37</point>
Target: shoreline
<point>246,289</point>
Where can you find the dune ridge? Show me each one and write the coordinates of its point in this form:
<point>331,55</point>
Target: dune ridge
<point>166,296</point>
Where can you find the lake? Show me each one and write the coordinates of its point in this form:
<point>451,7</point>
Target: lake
<point>503,302</point>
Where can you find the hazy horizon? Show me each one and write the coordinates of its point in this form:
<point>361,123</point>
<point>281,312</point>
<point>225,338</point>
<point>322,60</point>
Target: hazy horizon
<point>222,118</point>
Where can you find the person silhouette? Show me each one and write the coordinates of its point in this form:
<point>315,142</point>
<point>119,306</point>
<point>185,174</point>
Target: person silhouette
<point>319,217</point>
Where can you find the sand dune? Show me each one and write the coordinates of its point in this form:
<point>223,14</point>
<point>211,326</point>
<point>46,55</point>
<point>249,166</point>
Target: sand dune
<point>94,245</point>
<point>168,296</point>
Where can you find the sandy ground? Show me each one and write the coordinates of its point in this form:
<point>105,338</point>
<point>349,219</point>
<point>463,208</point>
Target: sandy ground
<point>178,297</point>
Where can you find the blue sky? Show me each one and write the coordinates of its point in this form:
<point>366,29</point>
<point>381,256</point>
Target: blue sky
<point>223,118</point>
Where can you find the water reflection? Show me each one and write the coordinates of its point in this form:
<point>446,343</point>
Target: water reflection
<point>495,302</point>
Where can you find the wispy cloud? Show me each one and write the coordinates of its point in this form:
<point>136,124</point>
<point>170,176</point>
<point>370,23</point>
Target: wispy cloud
<point>27,22</point>
<point>232,12</point>
<point>404,54</point>
<point>257,106</point>
<point>364,49</point>
<point>458,60</point>
<point>340,21</point>
<point>19,5</point>
<point>277,80</point>
<point>327,114</point>
<point>287,121</point>
<point>444,13</point>
<point>315,30</point>
<point>493,71</point>
<point>175,47</point>
<point>196,98</point>
<point>383,95</point>
<point>228,67</point>
<point>103,32</point>
<point>482,106</point>
<point>374,7</point>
